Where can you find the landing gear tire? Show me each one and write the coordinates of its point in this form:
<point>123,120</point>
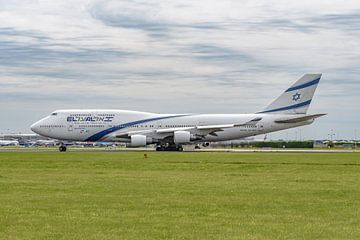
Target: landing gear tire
<point>62,148</point>
<point>170,148</point>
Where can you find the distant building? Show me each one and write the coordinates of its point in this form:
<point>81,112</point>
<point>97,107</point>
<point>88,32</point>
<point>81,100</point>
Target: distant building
<point>320,144</point>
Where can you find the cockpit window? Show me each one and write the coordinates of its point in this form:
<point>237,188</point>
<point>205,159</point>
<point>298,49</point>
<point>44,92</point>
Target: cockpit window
<point>54,114</point>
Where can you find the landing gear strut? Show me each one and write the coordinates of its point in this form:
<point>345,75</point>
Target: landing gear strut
<point>62,148</point>
<point>169,148</point>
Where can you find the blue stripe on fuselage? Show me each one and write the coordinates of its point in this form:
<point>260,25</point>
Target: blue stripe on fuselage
<point>103,133</point>
<point>308,84</point>
<point>288,107</point>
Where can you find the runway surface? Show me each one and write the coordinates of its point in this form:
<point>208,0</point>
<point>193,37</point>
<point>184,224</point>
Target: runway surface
<point>247,150</point>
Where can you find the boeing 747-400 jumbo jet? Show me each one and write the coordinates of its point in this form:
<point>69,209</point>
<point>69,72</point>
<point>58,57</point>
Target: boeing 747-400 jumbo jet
<point>170,131</point>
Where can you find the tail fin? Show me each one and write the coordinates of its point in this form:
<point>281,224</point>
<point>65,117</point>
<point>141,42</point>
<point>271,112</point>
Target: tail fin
<point>297,98</point>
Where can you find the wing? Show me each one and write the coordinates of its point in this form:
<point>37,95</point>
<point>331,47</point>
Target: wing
<point>200,132</point>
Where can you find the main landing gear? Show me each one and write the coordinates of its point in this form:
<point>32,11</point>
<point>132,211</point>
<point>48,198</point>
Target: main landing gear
<point>169,148</point>
<point>62,148</point>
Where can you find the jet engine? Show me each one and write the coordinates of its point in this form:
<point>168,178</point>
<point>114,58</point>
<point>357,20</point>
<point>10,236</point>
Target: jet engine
<point>137,141</point>
<point>182,137</point>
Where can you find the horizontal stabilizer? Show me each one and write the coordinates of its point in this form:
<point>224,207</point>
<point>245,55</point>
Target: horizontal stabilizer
<point>300,119</point>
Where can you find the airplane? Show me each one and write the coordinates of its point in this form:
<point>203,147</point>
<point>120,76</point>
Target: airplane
<point>169,132</point>
<point>4,143</point>
<point>23,139</point>
<point>45,143</point>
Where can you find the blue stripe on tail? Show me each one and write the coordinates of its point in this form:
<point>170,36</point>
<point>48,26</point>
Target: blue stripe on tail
<point>288,107</point>
<point>305,85</point>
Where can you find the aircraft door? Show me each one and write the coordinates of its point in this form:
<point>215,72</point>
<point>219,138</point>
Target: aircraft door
<point>260,127</point>
<point>70,128</point>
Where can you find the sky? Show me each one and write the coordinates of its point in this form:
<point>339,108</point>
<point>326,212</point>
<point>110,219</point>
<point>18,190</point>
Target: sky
<point>179,56</point>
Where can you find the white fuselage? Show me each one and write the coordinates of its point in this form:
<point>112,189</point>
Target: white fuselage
<point>111,125</point>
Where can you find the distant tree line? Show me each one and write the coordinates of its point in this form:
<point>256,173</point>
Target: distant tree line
<point>285,144</point>
<point>276,144</point>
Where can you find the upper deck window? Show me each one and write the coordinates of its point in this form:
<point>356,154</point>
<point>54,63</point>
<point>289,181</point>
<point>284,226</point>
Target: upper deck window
<point>54,114</point>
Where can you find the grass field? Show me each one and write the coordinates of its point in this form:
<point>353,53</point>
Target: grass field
<point>122,195</point>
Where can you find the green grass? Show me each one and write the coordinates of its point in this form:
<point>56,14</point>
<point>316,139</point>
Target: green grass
<point>122,195</point>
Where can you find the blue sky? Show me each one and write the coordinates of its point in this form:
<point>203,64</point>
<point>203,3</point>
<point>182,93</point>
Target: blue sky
<point>178,56</point>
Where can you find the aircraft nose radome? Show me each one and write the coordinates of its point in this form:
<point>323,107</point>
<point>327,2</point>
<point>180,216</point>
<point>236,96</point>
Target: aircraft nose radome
<point>35,127</point>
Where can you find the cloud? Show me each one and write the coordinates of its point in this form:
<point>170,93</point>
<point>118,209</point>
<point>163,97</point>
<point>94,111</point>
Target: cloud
<point>192,56</point>
<point>130,15</point>
<point>345,21</point>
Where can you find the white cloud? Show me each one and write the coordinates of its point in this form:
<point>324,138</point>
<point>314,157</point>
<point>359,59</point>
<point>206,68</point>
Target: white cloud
<point>193,56</point>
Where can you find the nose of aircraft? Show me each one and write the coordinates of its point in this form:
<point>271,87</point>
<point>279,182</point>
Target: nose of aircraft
<point>35,127</point>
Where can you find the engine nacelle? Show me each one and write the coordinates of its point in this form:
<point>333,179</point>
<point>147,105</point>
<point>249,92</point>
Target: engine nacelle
<point>182,137</point>
<point>137,141</point>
